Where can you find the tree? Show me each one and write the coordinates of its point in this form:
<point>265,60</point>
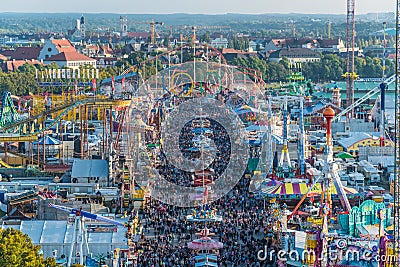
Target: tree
<point>16,249</point>
<point>166,41</point>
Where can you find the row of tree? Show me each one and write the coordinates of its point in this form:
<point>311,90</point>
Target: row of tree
<point>331,67</point>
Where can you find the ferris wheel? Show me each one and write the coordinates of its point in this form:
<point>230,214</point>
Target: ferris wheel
<point>189,131</point>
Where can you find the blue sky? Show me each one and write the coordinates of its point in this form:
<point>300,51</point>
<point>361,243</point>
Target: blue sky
<point>197,6</point>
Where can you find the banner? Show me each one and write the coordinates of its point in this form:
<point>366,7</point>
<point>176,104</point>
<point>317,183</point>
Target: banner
<point>76,87</point>
<point>59,74</point>
<point>92,73</point>
<point>97,73</point>
<point>112,84</point>
<point>79,73</point>
<point>94,84</point>
<point>68,74</point>
<point>63,73</point>
<point>54,73</point>
<point>123,83</point>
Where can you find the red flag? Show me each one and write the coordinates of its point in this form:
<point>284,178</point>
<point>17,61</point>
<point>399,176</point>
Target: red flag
<point>94,84</point>
<point>205,191</point>
<point>123,83</point>
<point>112,83</point>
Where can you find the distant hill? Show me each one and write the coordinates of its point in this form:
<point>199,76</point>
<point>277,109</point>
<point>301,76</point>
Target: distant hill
<point>62,22</point>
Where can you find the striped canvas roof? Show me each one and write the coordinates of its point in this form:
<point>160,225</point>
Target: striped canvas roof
<point>302,188</point>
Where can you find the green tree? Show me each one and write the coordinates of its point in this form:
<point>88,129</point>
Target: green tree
<point>16,249</point>
<point>166,41</point>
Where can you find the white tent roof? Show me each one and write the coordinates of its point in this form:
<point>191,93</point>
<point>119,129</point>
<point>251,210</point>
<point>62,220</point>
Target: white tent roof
<point>82,168</point>
<point>57,235</point>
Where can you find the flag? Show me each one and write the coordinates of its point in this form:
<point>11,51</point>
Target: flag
<point>73,74</point>
<point>97,73</point>
<point>123,83</point>
<point>59,74</point>
<point>83,73</point>
<point>76,87</point>
<point>68,74</point>
<point>92,73</point>
<point>112,83</point>
<point>79,73</point>
<point>94,84</point>
<point>54,73</point>
<point>88,73</point>
<point>36,73</point>
<point>63,73</point>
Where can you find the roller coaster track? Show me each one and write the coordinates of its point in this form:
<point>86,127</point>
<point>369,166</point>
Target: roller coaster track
<point>364,98</point>
<point>12,152</point>
<point>65,109</point>
<point>170,52</point>
<point>43,114</point>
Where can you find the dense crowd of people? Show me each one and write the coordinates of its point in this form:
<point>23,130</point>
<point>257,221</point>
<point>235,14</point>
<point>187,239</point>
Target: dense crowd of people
<point>246,229</point>
<point>247,225</point>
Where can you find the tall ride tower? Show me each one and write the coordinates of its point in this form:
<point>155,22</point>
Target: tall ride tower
<point>285,150</point>
<point>397,141</point>
<point>350,75</point>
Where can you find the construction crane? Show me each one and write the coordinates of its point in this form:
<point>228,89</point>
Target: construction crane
<point>152,24</point>
<point>350,74</point>
<point>195,28</point>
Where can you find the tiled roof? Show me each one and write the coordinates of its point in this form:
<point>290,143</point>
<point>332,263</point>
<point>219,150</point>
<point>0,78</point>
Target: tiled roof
<point>295,53</point>
<point>63,45</point>
<point>328,42</point>
<point>13,65</point>
<point>106,49</point>
<point>3,57</point>
<point>69,56</point>
<point>7,53</point>
<point>233,51</point>
<point>278,42</point>
<point>26,53</point>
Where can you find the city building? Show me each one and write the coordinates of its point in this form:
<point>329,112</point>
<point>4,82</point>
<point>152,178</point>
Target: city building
<point>71,60</point>
<point>219,42</point>
<point>90,171</point>
<point>295,55</point>
<point>360,139</point>
<point>53,47</point>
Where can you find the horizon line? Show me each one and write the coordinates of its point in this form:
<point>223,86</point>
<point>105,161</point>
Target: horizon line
<point>188,13</point>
